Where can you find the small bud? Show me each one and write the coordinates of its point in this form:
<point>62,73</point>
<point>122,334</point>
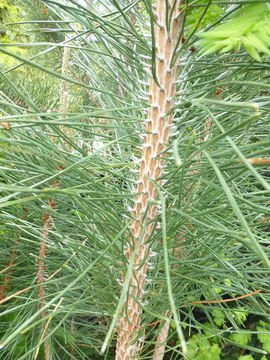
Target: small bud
<point>152,253</point>
<point>6,125</point>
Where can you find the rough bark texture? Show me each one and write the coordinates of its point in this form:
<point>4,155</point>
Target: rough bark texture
<point>157,126</point>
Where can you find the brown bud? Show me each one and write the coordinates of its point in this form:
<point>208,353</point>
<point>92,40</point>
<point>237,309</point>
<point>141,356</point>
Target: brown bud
<point>6,125</point>
<point>52,203</point>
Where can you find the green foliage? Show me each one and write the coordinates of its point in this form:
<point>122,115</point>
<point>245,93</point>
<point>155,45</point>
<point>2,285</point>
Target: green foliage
<point>200,348</point>
<point>241,338</point>
<point>197,20</point>
<point>211,332</point>
<point>219,317</point>
<point>264,335</point>
<point>246,357</point>
<point>249,27</point>
<point>208,342</point>
<point>11,13</point>
<point>240,316</point>
<point>10,33</point>
<point>43,90</point>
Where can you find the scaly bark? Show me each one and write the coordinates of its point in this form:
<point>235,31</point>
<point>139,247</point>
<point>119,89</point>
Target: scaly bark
<point>157,126</point>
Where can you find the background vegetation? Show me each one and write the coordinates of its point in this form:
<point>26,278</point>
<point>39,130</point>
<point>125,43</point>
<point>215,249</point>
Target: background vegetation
<point>71,126</point>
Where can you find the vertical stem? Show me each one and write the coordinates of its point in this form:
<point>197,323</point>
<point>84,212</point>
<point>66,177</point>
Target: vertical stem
<point>47,218</point>
<point>47,224</point>
<point>64,84</point>
<point>157,126</point>
<point>64,96</point>
<point>161,341</point>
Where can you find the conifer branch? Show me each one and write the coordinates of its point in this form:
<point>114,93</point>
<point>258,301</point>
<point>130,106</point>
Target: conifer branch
<point>157,127</point>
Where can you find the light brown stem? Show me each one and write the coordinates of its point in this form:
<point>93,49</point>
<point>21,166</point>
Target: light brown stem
<point>225,300</point>
<point>161,341</point>
<point>46,327</point>
<point>47,224</point>
<point>64,96</point>
<point>157,126</point>
<point>257,161</point>
<point>64,84</point>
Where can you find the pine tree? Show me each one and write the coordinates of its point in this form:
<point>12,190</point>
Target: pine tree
<point>135,220</point>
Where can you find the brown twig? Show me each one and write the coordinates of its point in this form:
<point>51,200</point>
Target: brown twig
<point>225,300</point>
<point>46,327</point>
<point>161,341</point>
<point>257,161</point>
<point>142,344</point>
<point>47,224</point>
<point>2,301</point>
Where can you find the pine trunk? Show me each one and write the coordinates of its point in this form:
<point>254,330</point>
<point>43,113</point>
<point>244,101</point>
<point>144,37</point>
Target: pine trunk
<point>157,127</point>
